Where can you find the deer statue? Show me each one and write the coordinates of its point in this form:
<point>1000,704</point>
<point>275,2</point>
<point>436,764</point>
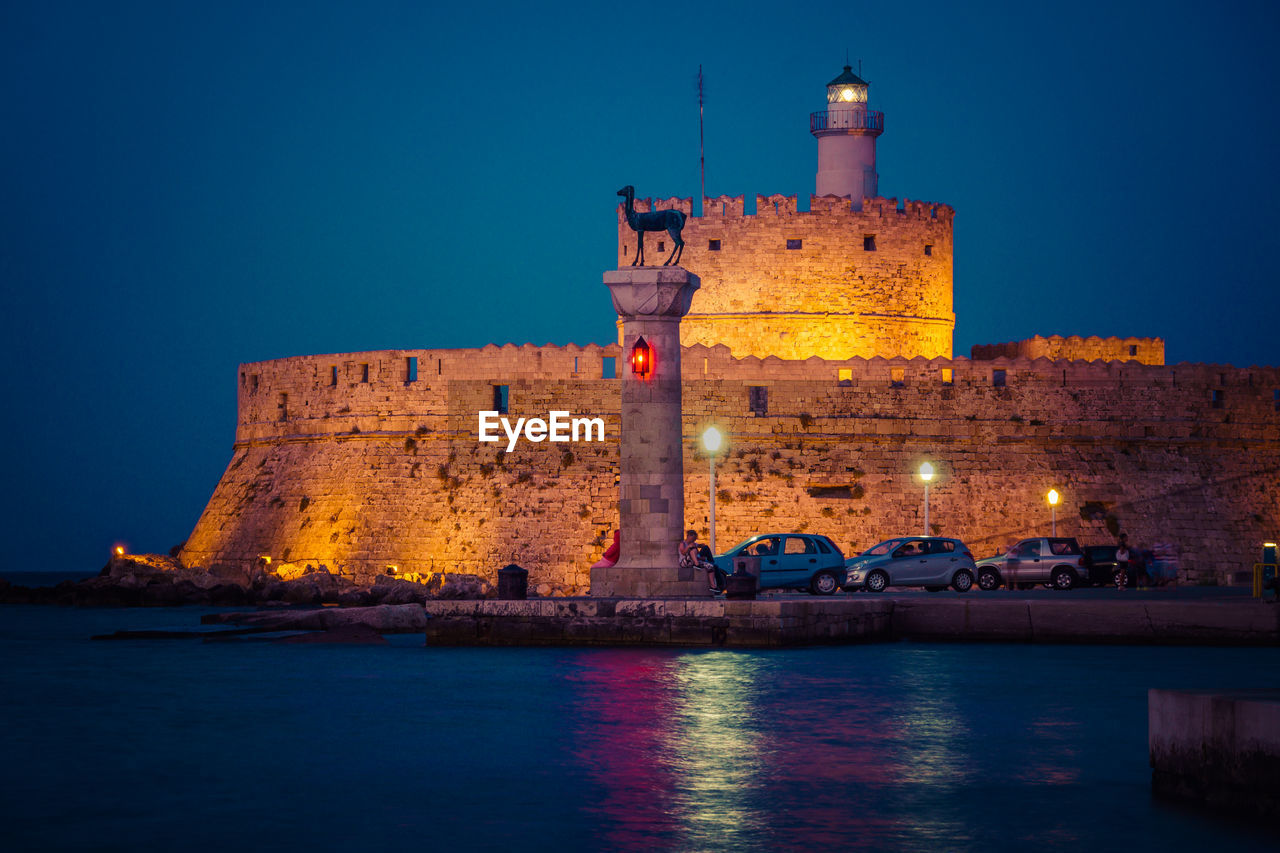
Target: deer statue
<point>671,221</point>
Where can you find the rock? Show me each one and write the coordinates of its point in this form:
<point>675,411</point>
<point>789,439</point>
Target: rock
<point>228,595</point>
<point>385,619</point>
<point>303,591</point>
<point>354,598</point>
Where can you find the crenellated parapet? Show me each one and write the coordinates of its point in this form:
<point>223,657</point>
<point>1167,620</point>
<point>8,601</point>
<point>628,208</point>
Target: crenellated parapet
<point>1075,347</point>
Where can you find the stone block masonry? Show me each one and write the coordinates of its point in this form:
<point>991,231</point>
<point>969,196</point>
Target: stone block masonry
<point>831,281</point>
<point>330,469</point>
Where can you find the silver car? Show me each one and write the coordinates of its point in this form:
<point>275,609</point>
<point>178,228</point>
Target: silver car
<point>928,561</point>
<point>1056,561</point>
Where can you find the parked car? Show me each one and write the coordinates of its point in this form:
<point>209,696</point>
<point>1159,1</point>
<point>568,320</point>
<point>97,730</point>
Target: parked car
<point>1100,560</point>
<point>928,561</point>
<point>789,561</point>
<point>1057,561</point>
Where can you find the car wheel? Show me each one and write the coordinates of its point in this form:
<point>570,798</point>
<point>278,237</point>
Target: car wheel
<point>824,583</point>
<point>988,580</point>
<point>1063,579</point>
<point>722,580</point>
<point>962,581</point>
<point>935,588</point>
<point>876,581</point>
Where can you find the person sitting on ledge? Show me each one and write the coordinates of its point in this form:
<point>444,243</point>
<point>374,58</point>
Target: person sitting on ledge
<point>610,557</point>
<point>691,556</point>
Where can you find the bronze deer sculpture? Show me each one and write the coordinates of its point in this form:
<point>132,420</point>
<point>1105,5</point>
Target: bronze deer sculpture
<point>671,221</point>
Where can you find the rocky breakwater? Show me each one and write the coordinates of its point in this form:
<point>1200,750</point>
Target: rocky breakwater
<point>153,580</point>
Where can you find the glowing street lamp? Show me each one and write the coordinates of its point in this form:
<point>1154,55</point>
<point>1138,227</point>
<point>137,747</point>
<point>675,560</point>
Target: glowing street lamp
<point>712,441</point>
<point>1054,497</point>
<point>926,474</point>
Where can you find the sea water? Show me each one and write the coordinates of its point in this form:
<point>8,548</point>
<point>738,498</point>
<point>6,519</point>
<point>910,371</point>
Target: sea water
<point>187,745</point>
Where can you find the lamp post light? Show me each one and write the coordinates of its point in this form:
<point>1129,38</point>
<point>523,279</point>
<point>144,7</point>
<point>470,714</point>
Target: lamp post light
<point>1054,497</point>
<point>712,441</point>
<point>926,474</point>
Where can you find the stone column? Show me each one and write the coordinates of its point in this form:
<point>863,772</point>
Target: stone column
<point>650,302</point>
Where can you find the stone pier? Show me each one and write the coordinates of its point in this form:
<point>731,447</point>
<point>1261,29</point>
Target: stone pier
<point>650,302</point>
<point>1217,748</point>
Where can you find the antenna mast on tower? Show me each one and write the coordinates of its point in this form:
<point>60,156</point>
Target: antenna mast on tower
<point>702,161</point>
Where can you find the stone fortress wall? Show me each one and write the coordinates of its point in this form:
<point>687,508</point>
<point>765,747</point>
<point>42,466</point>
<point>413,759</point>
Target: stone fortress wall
<point>355,462</point>
<point>854,283</point>
<point>1092,348</point>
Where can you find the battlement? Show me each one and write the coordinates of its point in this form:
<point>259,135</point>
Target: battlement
<point>1076,348</point>
<point>820,207</point>
<point>351,393</point>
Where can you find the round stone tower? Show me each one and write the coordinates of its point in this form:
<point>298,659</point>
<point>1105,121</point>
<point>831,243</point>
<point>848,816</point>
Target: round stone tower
<point>846,132</point>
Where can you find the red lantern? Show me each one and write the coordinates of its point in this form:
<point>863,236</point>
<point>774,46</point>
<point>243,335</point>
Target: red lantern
<point>641,359</point>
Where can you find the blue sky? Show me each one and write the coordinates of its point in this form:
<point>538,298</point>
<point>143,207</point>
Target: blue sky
<point>186,187</point>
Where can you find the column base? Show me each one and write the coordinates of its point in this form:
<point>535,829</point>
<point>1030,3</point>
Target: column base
<point>662,582</point>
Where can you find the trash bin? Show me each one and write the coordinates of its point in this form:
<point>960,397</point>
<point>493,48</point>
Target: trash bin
<point>513,583</point>
<point>742,583</point>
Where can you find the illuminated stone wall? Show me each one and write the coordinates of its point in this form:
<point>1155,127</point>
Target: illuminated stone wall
<point>875,282</point>
<point>1076,348</point>
<point>362,475</point>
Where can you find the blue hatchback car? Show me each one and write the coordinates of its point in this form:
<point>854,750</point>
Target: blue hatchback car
<point>789,561</point>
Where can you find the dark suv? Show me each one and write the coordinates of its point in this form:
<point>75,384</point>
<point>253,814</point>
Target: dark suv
<point>1057,561</point>
<point>1103,567</point>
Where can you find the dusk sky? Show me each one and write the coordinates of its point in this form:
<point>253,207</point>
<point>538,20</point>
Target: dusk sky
<point>187,187</point>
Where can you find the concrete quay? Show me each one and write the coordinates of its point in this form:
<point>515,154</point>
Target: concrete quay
<point>1219,749</point>
<point>790,621</point>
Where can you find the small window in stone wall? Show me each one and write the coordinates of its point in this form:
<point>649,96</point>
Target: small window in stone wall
<point>713,245</point>
<point>948,377</point>
<point>364,373</point>
<point>928,250</point>
<point>575,364</point>
<point>662,247</point>
<point>410,369</point>
<point>609,367</point>
<point>898,376</point>
<point>283,407</point>
<point>501,398</point>
<point>1133,349</point>
<point>869,243</point>
<point>998,378</point>
<point>253,384</point>
<point>844,374</point>
<point>333,375</point>
<point>244,379</point>
<point>1216,400</point>
<point>795,244</point>
<point>758,399</point>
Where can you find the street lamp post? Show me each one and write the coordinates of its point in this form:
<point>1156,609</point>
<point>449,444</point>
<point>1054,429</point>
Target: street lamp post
<point>926,474</point>
<point>712,441</point>
<point>1053,509</point>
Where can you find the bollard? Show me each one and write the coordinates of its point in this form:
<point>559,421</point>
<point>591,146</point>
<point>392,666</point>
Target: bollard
<point>513,583</point>
<point>742,583</point>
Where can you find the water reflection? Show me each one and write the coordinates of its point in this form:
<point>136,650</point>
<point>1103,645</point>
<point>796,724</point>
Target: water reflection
<point>733,750</point>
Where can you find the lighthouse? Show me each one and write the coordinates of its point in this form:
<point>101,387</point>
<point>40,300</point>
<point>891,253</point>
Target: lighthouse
<point>846,132</point>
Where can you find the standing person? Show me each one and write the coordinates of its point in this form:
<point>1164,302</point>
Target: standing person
<point>1122,562</point>
<point>689,556</point>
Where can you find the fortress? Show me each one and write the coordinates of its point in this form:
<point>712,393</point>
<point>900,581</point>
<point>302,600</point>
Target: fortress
<point>821,342</point>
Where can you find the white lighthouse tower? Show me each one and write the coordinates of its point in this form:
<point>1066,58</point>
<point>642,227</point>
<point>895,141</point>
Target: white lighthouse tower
<point>847,132</point>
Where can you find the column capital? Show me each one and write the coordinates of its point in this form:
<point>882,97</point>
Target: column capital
<point>651,291</point>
